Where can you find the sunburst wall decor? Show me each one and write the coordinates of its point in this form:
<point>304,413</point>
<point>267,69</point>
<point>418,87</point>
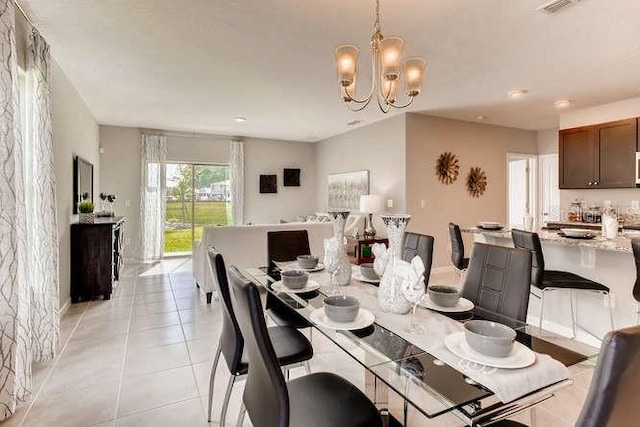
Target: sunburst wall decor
<point>447,168</point>
<point>476,182</point>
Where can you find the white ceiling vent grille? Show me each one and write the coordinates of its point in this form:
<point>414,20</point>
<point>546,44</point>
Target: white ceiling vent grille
<point>556,6</point>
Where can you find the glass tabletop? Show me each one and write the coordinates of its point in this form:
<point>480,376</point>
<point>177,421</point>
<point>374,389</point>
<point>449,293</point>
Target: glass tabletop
<point>425,382</point>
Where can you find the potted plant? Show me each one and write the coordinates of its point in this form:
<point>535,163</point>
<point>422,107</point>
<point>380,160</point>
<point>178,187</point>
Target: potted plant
<point>85,208</point>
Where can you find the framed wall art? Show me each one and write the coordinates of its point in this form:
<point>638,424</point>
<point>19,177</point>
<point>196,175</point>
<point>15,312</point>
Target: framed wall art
<point>268,184</point>
<point>291,177</point>
<point>344,189</point>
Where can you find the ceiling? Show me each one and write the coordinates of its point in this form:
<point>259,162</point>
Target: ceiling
<point>195,65</point>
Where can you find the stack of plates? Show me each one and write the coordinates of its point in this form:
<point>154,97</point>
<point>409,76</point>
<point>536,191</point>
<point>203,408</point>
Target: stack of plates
<point>577,233</point>
<point>489,225</point>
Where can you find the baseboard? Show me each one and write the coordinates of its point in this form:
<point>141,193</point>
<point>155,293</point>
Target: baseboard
<point>65,307</point>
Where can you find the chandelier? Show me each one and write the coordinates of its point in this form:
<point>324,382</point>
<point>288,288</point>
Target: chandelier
<point>386,57</point>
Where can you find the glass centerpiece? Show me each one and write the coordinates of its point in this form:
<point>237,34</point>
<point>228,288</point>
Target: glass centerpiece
<point>335,255</point>
<point>390,267</point>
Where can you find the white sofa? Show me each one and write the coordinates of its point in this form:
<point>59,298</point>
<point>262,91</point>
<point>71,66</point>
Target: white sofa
<point>245,246</point>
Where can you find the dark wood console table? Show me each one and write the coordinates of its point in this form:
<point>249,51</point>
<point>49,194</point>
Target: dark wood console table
<point>96,257</point>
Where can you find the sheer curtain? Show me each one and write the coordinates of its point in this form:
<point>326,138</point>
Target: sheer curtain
<point>29,318</point>
<point>236,176</point>
<point>153,191</point>
<point>42,222</point>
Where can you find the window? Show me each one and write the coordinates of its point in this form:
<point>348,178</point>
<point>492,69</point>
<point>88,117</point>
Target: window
<point>197,195</point>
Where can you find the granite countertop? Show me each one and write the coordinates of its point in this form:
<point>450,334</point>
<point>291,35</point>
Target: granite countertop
<point>622,243</point>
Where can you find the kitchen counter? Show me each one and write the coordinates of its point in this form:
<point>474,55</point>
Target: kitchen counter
<point>609,262</point>
<point>622,243</point>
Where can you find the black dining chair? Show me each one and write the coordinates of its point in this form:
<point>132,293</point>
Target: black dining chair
<point>292,349</point>
<point>283,246</point>
<point>317,400</point>
<point>635,246</point>
<point>414,244</point>
<point>457,251</point>
<point>614,394</point>
<point>553,280</point>
<point>498,280</point>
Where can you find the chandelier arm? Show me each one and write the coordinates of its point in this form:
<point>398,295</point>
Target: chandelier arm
<point>411,98</point>
<point>358,101</point>
<point>382,108</point>
<point>362,107</point>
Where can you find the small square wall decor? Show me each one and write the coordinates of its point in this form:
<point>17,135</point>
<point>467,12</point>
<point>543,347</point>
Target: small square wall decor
<point>268,184</point>
<point>291,177</point>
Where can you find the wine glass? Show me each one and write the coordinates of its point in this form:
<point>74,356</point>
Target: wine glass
<point>414,294</point>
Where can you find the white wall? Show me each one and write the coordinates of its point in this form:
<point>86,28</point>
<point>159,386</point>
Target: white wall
<point>548,141</point>
<point>620,110</point>
<point>121,174</point>
<point>378,148</point>
<point>75,132</point>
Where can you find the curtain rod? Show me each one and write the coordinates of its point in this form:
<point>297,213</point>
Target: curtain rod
<point>177,134</point>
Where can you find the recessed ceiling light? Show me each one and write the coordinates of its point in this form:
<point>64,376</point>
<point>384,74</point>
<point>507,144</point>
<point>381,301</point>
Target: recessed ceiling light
<point>517,94</point>
<point>239,119</point>
<point>562,103</point>
<point>481,118</point>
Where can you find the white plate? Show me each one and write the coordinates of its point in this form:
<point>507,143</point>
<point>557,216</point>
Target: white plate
<point>462,305</point>
<point>365,318</point>
<point>356,275</point>
<point>520,356</point>
<point>577,232</point>
<point>312,285</point>
<point>318,267</point>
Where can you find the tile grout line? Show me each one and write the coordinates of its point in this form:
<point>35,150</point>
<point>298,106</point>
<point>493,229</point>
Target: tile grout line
<point>55,363</point>
<point>193,371</point>
<point>126,351</point>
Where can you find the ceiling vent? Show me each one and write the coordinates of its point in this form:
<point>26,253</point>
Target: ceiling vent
<point>556,6</point>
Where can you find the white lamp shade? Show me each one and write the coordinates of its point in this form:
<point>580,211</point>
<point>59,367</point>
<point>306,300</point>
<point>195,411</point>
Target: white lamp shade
<point>370,203</point>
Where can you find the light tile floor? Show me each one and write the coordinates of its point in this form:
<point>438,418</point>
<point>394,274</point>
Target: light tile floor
<point>143,359</point>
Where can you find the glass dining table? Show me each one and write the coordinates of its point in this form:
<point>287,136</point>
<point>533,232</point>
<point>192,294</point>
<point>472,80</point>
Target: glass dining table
<point>395,361</point>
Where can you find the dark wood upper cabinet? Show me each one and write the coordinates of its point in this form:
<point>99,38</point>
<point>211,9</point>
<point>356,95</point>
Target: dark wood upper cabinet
<point>577,159</point>
<point>599,156</point>
<point>617,152</point>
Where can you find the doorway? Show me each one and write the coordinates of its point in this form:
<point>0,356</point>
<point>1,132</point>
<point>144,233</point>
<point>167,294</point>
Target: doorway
<point>197,195</point>
<point>521,188</point>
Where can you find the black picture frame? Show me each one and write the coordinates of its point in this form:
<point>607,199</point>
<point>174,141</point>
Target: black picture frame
<point>291,177</point>
<point>268,184</point>
<point>82,181</point>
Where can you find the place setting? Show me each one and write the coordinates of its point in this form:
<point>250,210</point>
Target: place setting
<point>490,344</point>
<point>445,299</point>
<point>490,226</point>
<point>308,263</point>
<point>295,282</point>
<point>342,313</point>
<point>366,273</point>
<point>577,233</point>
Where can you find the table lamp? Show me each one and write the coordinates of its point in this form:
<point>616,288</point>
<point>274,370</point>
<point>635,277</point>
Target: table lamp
<point>370,204</point>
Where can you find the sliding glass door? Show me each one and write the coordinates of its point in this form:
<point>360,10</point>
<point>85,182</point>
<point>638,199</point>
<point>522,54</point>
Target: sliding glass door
<point>197,196</point>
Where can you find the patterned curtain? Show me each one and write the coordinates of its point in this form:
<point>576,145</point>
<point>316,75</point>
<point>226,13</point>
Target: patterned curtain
<point>42,222</point>
<point>236,178</point>
<point>29,323</point>
<point>153,193</point>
